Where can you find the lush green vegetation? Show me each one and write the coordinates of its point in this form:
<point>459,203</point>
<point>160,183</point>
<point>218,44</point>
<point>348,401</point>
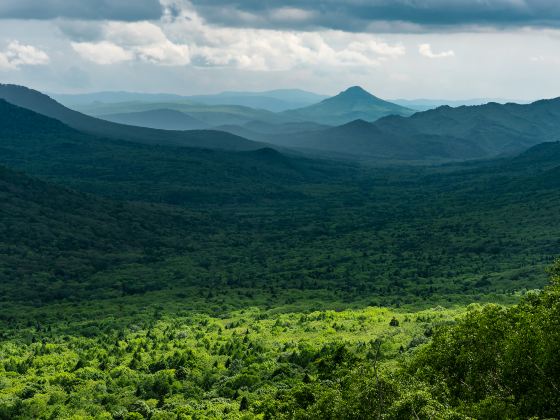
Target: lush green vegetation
<point>270,222</point>
<point>494,362</point>
<point>139,281</point>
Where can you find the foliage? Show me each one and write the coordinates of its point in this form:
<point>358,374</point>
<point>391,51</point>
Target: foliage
<point>500,362</point>
<point>257,288</point>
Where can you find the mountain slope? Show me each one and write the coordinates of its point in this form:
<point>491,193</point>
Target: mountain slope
<point>127,170</point>
<point>272,100</point>
<point>426,104</point>
<point>445,133</point>
<point>211,115</point>
<point>42,104</point>
<point>163,119</point>
<point>52,239</point>
<point>352,104</point>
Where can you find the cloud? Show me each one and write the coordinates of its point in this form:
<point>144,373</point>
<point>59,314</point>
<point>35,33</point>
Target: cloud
<point>270,49</point>
<point>426,51</point>
<point>267,50</point>
<point>126,41</point>
<point>124,10</point>
<point>382,15</point>
<point>103,52</point>
<point>182,37</point>
<point>18,54</point>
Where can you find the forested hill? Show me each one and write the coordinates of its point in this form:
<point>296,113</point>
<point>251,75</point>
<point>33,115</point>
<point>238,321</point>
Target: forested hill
<point>147,281</point>
<point>445,133</point>
<point>127,170</point>
<point>391,235</point>
<point>42,104</point>
<point>53,239</point>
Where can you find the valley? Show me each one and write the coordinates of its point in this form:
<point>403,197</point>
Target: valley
<point>171,273</point>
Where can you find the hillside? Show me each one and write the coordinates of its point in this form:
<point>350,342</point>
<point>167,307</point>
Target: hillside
<point>329,212</point>
<point>445,133</point>
<point>42,104</point>
<point>271,285</point>
<point>352,104</point>
<point>274,100</point>
<point>45,147</point>
<point>66,237</point>
<point>162,119</point>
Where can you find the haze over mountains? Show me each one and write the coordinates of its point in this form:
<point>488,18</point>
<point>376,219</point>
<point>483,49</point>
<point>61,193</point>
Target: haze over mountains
<point>352,104</point>
<point>110,227</point>
<point>42,104</point>
<point>235,109</point>
<point>426,104</point>
<point>274,100</point>
<point>353,124</point>
<point>444,133</point>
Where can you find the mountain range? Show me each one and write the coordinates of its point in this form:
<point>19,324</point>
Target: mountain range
<point>47,148</point>
<point>43,104</point>
<point>441,134</point>
<point>274,100</point>
<point>445,133</point>
<point>224,109</point>
<point>426,104</point>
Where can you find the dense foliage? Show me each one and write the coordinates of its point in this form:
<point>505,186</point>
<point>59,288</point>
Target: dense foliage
<point>140,281</point>
<point>495,362</point>
<point>269,223</point>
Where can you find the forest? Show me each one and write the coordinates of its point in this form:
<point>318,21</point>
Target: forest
<point>140,281</point>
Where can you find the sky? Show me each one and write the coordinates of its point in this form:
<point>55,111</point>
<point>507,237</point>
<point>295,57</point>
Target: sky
<point>440,49</point>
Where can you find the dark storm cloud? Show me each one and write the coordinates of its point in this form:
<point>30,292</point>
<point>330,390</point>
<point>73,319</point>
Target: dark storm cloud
<point>127,10</point>
<point>358,15</point>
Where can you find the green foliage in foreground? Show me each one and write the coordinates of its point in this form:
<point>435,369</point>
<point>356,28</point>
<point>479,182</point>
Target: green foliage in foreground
<point>494,362</point>
<point>271,365</point>
<point>500,362</point>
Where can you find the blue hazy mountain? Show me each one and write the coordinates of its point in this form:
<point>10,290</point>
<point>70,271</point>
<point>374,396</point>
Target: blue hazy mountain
<point>272,100</point>
<point>352,104</point>
<point>43,104</point>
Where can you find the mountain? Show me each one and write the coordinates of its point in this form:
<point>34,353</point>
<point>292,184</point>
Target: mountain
<point>42,104</point>
<point>273,100</point>
<point>352,104</point>
<point>270,133</point>
<point>109,97</point>
<point>47,148</point>
<point>163,119</point>
<point>426,104</point>
<point>445,133</point>
<point>211,115</point>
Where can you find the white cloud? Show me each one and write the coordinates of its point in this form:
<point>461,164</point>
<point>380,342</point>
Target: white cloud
<point>426,51</point>
<point>268,49</point>
<point>182,37</point>
<point>142,41</point>
<point>17,54</point>
<point>103,52</point>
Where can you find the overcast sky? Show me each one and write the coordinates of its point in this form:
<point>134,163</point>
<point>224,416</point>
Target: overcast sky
<point>452,49</point>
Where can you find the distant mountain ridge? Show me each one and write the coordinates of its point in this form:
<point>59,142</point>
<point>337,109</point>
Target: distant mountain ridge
<point>273,100</point>
<point>424,104</point>
<point>162,119</point>
<point>352,104</point>
<point>226,109</point>
<point>444,133</point>
<point>48,149</point>
<point>43,104</point>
